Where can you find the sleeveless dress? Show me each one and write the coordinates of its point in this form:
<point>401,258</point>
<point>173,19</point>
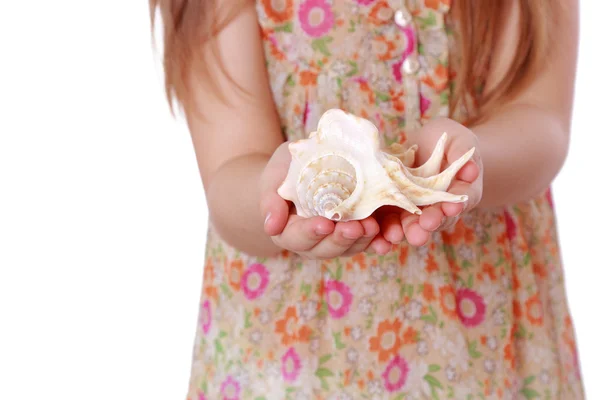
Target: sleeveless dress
<point>479,313</point>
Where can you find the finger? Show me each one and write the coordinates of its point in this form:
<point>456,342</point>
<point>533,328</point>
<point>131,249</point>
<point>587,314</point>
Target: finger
<point>302,234</point>
<point>274,209</point>
<point>371,229</point>
<point>414,233</point>
<point>448,223</point>
<point>432,218</point>
<point>391,228</point>
<point>380,246</point>
<point>343,237</point>
<point>473,191</point>
<point>468,173</point>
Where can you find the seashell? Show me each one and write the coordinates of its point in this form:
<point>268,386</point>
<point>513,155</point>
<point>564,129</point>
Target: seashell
<point>341,172</point>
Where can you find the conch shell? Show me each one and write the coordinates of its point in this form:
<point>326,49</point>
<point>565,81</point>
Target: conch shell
<point>340,172</point>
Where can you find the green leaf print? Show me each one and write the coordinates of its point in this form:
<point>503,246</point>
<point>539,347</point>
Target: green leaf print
<point>429,21</point>
<point>401,396</point>
<point>529,393</point>
<point>320,45</point>
<point>226,290</point>
<point>382,96</point>
<point>204,386</point>
<point>222,334</point>
<point>529,380</point>
<point>433,382</point>
<point>338,271</point>
<point>324,359</point>
<point>323,373</point>
<point>473,349</point>
<point>288,27</point>
<point>444,100</point>
<point>434,368</point>
<point>338,341</point>
<point>305,289</point>
<point>470,281</point>
<point>260,398</point>
<point>247,323</point>
<point>290,81</point>
<point>219,346</point>
<point>352,26</point>
<point>354,69</point>
<point>431,318</point>
<point>521,332</point>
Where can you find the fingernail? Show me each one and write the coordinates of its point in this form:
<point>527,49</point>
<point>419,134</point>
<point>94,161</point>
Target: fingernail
<point>267,218</point>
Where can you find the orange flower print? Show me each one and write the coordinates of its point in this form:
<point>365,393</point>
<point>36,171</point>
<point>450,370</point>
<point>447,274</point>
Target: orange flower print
<point>435,4</point>
<point>359,260</point>
<point>384,48</point>
<point>289,329</point>
<point>381,13</point>
<point>448,301</point>
<point>509,354</point>
<point>308,78</point>
<point>461,234</point>
<point>428,292</point>
<point>534,310</point>
<point>387,342</point>
<point>279,10</point>
<point>234,274</point>
<point>540,270</point>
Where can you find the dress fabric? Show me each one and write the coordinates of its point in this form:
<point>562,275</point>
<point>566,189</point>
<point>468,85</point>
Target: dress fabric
<point>479,313</point>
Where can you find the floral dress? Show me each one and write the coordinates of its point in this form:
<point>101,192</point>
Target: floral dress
<point>479,313</point>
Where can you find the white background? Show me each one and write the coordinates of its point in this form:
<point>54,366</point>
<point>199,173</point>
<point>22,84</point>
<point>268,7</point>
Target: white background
<point>103,219</point>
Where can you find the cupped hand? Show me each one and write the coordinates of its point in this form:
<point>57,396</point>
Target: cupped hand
<point>397,224</point>
<point>314,237</point>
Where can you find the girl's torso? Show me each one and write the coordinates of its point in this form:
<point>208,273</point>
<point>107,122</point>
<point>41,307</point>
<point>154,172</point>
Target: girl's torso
<point>478,313</point>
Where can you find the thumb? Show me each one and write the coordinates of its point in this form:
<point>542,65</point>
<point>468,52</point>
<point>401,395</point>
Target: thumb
<point>273,207</point>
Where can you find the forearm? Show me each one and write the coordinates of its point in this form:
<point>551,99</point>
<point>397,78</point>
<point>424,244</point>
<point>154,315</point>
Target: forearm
<point>522,148</point>
<point>233,200</point>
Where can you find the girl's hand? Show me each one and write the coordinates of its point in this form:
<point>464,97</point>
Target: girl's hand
<point>315,237</point>
<point>396,223</point>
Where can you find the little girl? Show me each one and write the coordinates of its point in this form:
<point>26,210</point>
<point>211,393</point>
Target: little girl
<point>461,302</point>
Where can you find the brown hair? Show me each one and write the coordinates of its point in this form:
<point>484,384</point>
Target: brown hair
<point>188,25</point>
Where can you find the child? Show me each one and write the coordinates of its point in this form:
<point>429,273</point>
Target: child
<point>458,303</point>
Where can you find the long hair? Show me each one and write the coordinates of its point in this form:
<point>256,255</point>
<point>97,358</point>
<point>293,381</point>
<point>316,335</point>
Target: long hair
<point>189,25</point>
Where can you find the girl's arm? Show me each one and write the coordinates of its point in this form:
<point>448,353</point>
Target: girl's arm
<point>234,139</point>
<point>243,158</point>
<point>525,143</point>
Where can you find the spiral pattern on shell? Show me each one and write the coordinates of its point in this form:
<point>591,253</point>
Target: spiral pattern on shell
<point>325,184</point>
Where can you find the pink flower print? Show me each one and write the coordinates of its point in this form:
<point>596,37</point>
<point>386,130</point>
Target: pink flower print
<point>425,103</point>
<point>410,47</point>
<point>511,227</point>
<point>201,396</point>
<point>364,2</point>
<point>339,298</point>
<point>230,389</point>
<point>290,365</point>
<point>254,281</point>
<point>397,71</point>
<point>206,316</point>
<point>470,307</point>
<point>316,17</point>
<point>394,376</point>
